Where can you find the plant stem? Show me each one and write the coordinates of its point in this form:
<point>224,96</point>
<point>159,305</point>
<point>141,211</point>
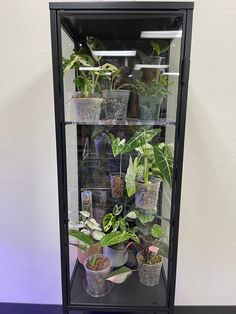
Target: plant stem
<point>120,163</point>
<point>94,258</point>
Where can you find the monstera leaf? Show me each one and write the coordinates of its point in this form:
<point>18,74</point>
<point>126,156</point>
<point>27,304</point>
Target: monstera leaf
<point>163,162</point>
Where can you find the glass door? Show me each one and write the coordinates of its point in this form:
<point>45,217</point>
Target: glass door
<point>121,85</point>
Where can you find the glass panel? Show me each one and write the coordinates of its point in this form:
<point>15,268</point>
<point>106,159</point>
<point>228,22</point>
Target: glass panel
<point>120,96</point>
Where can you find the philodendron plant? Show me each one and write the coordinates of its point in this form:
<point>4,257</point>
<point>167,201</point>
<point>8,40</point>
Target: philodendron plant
<point>160,46</point>
<point>88,80</point>
<point>151,159</point>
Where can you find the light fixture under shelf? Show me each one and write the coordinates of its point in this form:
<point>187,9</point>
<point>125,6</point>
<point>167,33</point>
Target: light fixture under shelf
<point>161,34</point>
<point>115,53</point>
<point>89,68</point>
<point>150,66</point>
<point>170,73</point>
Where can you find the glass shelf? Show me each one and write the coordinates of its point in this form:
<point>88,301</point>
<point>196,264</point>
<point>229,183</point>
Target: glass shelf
<point>159,122</point>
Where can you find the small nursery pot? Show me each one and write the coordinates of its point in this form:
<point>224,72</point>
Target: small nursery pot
<point>146,195</point>
<point>95,284</point>
<point>149,274</point>
<point>149,107</point>
<point>88,109</point>
<point>116,254</point>
<point>115,104</point>
<point>117,184</point>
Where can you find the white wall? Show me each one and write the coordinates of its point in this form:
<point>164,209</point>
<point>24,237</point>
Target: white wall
<point>29,235</point>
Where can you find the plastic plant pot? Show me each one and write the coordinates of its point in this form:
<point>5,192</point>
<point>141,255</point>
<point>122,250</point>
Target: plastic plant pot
<point>153,60</point>
<point>95,283</point>
<point>88,109</point>
<point>101,144</point>
<point>116,254</point>
<point>149,107</point>
<point>115,104</point>
<point>117,184</point>
<point>146,195</point>
<point>149,274</point>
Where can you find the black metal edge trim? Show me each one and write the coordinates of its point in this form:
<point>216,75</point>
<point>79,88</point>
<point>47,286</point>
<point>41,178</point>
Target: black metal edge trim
<point>60,144</point>
<point>120,5</point>
<point>25,308</point>
<point>207,309</point>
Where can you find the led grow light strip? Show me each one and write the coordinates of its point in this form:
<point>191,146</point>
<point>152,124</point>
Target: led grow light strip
<point>161,34</point>
<point>115,53</point>
<point>171,73</point>
<point>89,68</point>
<point>150,66</point>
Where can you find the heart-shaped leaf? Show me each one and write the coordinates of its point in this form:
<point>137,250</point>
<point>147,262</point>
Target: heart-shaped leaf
<point>157,231</point>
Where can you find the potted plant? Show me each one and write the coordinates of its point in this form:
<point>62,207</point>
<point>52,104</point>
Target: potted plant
<point>87,100</point>
<point>148,257</point>
<point>98,266</point>
<point>153,164</point>
<point>115,98</point>
<point>117,221</point>
<point>87,226</point>
<point>150,96</point>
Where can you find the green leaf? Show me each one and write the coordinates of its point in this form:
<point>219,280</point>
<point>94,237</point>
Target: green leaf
<point>107,67</point>
<point>114,238</point>
<point>160,46</point>
<point>92,224</point>
<point>156,47</point>
<point>157,231</point>
<point>144,218</point>
<point>131,215</point>
<point>117,145</point>
<point>117,210</point>
<point>98,235</point>
<point>119,275</point>
<point>140,138</point>
<point>81,236</point>
<point>85,213</point>
<point>163,163</point>
<point>131,176</point>
<point>70,63</point>
<point>108,221</point>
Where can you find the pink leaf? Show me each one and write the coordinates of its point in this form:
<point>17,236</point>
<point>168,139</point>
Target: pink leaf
<point>153,249</point>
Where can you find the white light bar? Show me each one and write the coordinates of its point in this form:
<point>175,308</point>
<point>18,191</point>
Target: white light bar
<point>115,53</point>
<point>161,34</point>
<point>150,66</point>
<point>170,73</point>
<point>89,68</point>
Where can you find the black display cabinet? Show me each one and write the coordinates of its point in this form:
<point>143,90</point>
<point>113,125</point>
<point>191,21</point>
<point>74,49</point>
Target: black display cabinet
<point>120,73</point>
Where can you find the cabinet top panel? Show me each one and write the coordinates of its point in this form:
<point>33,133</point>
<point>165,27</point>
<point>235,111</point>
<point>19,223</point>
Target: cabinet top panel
<point>121,5</point>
